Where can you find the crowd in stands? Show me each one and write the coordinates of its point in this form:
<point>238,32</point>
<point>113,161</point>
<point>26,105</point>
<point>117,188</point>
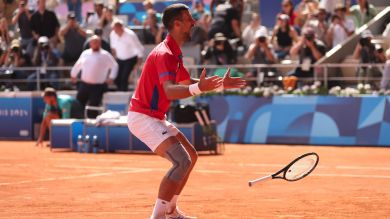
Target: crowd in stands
<point>34,36</point>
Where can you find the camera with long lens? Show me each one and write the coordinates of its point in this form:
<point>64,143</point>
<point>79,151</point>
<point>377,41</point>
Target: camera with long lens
<point>364,42</point>
<point>309,37</point>
<point>262,39</point>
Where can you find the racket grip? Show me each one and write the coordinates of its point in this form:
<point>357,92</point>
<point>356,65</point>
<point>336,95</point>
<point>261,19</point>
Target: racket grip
<point>252,182</point>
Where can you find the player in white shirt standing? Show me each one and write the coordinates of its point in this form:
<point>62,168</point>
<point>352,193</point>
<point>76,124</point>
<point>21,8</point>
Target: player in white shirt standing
<point>128,51</point>
<point>98,69</point>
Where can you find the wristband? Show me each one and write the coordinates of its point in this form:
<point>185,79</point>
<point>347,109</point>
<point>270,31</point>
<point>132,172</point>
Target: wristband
<point>194,89</point>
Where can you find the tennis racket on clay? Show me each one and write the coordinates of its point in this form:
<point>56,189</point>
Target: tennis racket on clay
<point>296,170</point>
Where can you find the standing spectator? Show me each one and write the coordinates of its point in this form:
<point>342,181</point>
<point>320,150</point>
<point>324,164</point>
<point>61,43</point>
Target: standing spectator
<point>5,38</point>
<point>310,50</point>
<point>341,27</point>
<point>362,13</point>
<point>288,9</point>
<point>226,20</point>
<point>98,69</point>
<point>248,35</point>
<point>385,82</point>
<point>104,44</point>
<point>57,107</point>
<point>93,19</point>
<point>283,36</point>
<point>22,17</point>
<point>128,51</point>
<point>75,6</point>
<point>152,33</point>
<point>214,4</point>
<point>44,57</point>
<point>319,23</point>
<point>304,10</point>
<point>45,23</point>
<point>106,22</point>
<point>74,37</point>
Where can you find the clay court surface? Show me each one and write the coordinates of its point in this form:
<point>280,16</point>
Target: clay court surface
<point>348,183</point>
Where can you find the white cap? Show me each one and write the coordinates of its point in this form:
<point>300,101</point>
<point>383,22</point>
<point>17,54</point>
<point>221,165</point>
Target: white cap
<point>366,34</point>
<point>43,39</point>
<point>261,33</point>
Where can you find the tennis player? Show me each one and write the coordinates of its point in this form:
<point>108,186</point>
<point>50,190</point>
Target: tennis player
<point>163,79</point>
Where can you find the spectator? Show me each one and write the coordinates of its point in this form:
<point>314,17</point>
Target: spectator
<point>328,5</point>
<point>362,12</point>
<point>386,32</point>
<point>74,37</point>
<point>44,57</point>
<point>214,4</point>
<point>310,50</point>
<point>104,44</point>
<point>385,82</point>
<point>22,17</point>
<point>367,52</point>
<point>219,52</point>
<point>261,52</point>
<point>198,10</point>
<point>5,38</point>
<point>92,20</point>
<point>319,24</point>
<point>341,27</point>
<point>148,5</point>
<point>152,32</point>
<point>283,36</point>
<point>226,20</point>
<point>304,10</point>
<point>106,22</point>
<point>45,23</point>
<point>128,51</point>
<point>57,107</point>
<point>288,9</point>
<point>98,69</point>
<point>248,35</point>
<point>75,6</point>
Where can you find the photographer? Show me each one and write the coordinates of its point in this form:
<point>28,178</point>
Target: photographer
<point>367,52</point>
<point>310,50</point>
<point>261,52</point>
<point>44,57</point>
<point>219,51</point>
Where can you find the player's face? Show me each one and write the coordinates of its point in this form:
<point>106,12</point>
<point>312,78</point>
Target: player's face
<point>187,23</point>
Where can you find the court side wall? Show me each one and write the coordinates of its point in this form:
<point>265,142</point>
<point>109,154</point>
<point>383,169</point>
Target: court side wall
<point>314,120</point>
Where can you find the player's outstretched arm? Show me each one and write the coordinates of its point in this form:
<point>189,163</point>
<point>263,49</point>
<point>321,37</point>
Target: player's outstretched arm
<point>232,82</point>
<point>176,91</point>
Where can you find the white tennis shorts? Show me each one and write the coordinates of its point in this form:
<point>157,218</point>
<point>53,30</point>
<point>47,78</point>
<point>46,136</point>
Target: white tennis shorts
<point>150,130</point>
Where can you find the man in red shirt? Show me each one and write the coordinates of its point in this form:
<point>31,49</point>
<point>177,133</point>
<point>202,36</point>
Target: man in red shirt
<point>162,80</point>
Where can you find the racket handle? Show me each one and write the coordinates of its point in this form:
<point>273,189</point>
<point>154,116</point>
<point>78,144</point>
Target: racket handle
<point>252,182</point>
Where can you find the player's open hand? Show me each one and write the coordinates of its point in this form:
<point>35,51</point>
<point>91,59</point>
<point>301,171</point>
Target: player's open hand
<point>210,83</point>
<point>232,82</point>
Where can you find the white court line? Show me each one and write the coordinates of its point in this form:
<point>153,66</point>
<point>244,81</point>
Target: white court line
<point>362,168</point>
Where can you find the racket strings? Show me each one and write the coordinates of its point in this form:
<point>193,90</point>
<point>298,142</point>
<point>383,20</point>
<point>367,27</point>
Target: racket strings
<point>301,167</point>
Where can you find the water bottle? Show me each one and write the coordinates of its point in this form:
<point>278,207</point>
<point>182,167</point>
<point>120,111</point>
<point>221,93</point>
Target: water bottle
<point>87,143</point>
<point>80,143</point>
<point>95,144</point>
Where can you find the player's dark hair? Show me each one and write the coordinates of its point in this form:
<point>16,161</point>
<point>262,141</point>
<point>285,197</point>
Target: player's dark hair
<point>172,13</point>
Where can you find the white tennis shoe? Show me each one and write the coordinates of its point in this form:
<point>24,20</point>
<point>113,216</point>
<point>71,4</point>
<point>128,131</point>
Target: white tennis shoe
<point>177,214</point>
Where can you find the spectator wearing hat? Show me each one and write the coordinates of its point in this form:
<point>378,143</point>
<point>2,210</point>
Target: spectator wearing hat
<point>219,51</point>
<point>128,51</point>
<point>57,107</point>
<point>93,18</point>
<point>340,28</point>
<point>283,36</point>
<point>44,57</point>
<point>104,44</point>
<point>261,52</point>
<point>362,12</point>
<point>75,6</point>
<point>368,52</point>
<point>22,18</point>
<point>98,69</point>
<point>248,35</point>
<point>318,21</point>
<point>74,37</point>
<point>45,23</point>
<point>310,50</point>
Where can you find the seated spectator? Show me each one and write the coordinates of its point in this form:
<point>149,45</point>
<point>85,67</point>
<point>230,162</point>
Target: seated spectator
<point>310,50</point>
<point>106,22</point>
<point>226,20</point>
<point>368,52</point>
<point>362,13</point>
<point>283,36</point>
<point>304,10</point>
<point>248,35</point>
<point>57,107</point>
<point>288,8</point>
<point>152,32</point>
<point>261,52</point>
<point>219,52</point>
<point>105,44</point>
<point>74,38</point>
<point>44,57</point>
<point>385,82</point>
<point>341,27</point>
<point>319,23</point>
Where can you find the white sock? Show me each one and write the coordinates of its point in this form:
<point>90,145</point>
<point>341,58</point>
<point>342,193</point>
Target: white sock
<point>172,204</point>
<point>159,209</point>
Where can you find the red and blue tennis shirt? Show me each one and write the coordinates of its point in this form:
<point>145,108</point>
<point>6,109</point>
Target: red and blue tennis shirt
<point>164,63</point>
